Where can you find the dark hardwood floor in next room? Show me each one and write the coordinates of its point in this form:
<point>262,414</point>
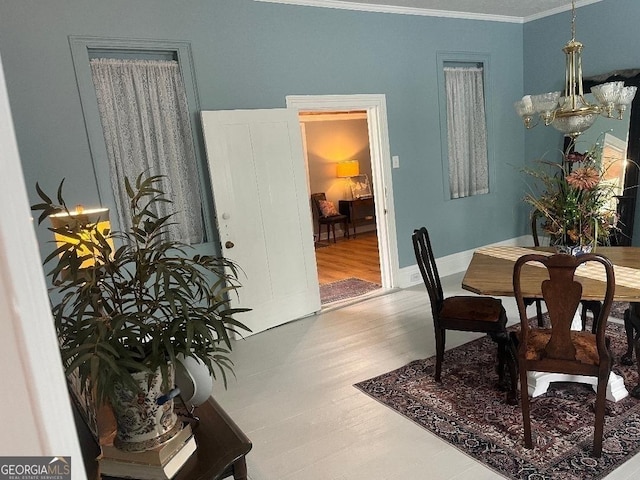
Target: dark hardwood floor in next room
<point>349,257</point>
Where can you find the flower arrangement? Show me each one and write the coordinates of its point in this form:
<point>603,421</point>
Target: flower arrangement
<point>577,205</point>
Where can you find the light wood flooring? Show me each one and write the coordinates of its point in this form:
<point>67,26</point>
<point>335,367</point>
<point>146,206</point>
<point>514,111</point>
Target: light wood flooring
<point>293,395</point>
<point>349,257</point>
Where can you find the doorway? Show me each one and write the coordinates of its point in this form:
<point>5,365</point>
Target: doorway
<point>336,152</point>
<point>367,260</point>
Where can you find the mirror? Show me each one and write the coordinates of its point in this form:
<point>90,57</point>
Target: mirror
<point>620,131</point>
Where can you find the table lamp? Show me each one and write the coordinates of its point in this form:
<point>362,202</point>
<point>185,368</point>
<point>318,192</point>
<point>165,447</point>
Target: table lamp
<point>83,224</point>
<point>348,169</point>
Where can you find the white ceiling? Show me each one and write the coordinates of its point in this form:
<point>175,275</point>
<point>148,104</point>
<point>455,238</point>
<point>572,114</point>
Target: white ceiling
<point>499,10</point>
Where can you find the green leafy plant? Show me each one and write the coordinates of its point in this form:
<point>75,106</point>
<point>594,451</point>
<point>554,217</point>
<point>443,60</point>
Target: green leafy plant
<point>577,202</point>
<point>137,306</point>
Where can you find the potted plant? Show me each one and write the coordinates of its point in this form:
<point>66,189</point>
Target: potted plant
<point>578,204</point>
<point>125,315</point>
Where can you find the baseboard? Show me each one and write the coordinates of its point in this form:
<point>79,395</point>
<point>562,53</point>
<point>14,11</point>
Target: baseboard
<point>454,263</point>
<point>340,232</point>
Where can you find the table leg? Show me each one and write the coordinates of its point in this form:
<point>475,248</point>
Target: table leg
<point>240,469</point>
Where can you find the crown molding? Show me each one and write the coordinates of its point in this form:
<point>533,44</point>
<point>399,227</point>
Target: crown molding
<point>553,11</point>
<point>424,12</point>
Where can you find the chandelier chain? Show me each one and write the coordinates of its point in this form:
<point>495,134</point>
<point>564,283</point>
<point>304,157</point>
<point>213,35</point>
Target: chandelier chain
<point>573,20</point>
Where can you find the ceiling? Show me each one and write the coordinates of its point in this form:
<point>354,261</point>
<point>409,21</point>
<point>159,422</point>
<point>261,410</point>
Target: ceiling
<point>499,10</point>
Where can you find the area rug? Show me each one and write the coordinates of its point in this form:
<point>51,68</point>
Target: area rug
<point>343,289</point>
<point>617,309</point>
<point>470,413</point>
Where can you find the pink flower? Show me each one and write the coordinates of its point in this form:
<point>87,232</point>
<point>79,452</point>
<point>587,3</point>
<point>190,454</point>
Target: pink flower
<point>585,178</point>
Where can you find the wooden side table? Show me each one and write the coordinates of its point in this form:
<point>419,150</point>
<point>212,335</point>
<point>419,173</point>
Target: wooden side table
<point>221,451</point>
<point>358,211</point>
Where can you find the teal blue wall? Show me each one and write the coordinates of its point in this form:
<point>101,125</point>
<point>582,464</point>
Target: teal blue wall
<point>251,55</point>
<point>611,39</point>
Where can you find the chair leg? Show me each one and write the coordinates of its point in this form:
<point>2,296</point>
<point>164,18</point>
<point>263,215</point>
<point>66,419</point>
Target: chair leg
<point>512,364</point>
<point>538,303</point>
<point>524,402</point>
<point>635,392</point>
<point>500,339</point>
<point>507,363</point>
<point>594,307</point>
<point>440,339</point>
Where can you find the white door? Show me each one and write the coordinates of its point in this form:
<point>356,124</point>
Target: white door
<point>262,208</point>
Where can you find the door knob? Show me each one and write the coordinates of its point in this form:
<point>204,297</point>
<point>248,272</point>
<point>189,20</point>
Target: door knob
<point>228,244</point>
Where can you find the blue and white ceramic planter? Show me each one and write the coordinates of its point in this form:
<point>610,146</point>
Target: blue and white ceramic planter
<point>143,424</point>
<point>575,250</point>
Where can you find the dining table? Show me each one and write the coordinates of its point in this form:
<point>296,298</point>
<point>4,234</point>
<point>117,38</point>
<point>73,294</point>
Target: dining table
<point>490,272</point>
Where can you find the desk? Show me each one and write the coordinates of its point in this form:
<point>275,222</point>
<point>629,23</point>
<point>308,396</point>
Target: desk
<point>221,451</point>
<point>491,273</point>
<point>358,211</point>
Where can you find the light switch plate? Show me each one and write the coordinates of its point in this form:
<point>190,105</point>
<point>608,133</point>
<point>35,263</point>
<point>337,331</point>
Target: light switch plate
<point>395,161</point>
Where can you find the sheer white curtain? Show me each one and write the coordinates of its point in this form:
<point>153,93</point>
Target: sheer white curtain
<point>145,119</point>
<point>467,131</point>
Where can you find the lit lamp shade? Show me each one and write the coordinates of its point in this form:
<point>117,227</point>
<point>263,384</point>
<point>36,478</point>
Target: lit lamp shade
<point>94,219</point>
<point>349,168</point>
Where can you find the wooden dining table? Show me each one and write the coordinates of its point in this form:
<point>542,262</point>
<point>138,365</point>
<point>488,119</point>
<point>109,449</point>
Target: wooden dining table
<point>490,272</point>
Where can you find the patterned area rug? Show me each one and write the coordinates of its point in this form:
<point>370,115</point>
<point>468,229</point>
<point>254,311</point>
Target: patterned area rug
<point>467,411</point>
<point>617,309</point>
<point>343,289</point>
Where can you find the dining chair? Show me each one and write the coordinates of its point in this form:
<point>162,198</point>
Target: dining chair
<point>536,215</point>
<point>592,306</point>
<point>558,349</point>
<point>465,313</point>
<point>326,214</point>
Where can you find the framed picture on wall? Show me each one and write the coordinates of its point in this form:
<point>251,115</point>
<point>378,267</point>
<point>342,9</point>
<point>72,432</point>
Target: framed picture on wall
<point>360,187</point>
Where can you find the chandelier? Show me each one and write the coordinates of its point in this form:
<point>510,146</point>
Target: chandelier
<point>572,114</point>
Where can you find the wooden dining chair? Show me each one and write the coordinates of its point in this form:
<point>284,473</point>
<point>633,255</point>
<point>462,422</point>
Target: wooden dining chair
<point>558,349</point>
<point>592,306</point>
<point>465,313</point>
<point>536,215</point>
<point>326,214</point>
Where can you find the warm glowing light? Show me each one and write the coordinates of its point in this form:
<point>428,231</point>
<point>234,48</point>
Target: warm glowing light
<point>96,220</point>
<point>348,168</point>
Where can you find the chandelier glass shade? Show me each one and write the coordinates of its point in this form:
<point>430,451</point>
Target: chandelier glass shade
<point>570,113</point>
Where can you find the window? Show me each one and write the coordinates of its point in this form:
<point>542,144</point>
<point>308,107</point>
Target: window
<point>466,129</point>
<point>145,119</point>
<point>169,65</point>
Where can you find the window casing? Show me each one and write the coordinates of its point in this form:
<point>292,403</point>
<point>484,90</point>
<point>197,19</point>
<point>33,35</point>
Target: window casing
<point>465,133</point>
<point>85,48</point>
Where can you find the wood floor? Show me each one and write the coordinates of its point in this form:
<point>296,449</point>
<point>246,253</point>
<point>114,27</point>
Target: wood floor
<point>293,395</point>
<point>349,257</point>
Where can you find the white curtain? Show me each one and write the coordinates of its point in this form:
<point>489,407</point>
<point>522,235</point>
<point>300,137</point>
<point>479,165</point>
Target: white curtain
<point>467,132</point>
<point>145,119</point>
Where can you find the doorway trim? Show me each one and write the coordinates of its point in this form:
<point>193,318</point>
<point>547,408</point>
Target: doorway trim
<point>376,107</point>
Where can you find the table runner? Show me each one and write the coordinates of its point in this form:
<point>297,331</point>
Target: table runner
<point>625,276</point>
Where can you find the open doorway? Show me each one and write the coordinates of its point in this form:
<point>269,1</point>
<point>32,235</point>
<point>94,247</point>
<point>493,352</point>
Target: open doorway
<point>337,154</point>
<point>374,241</point>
